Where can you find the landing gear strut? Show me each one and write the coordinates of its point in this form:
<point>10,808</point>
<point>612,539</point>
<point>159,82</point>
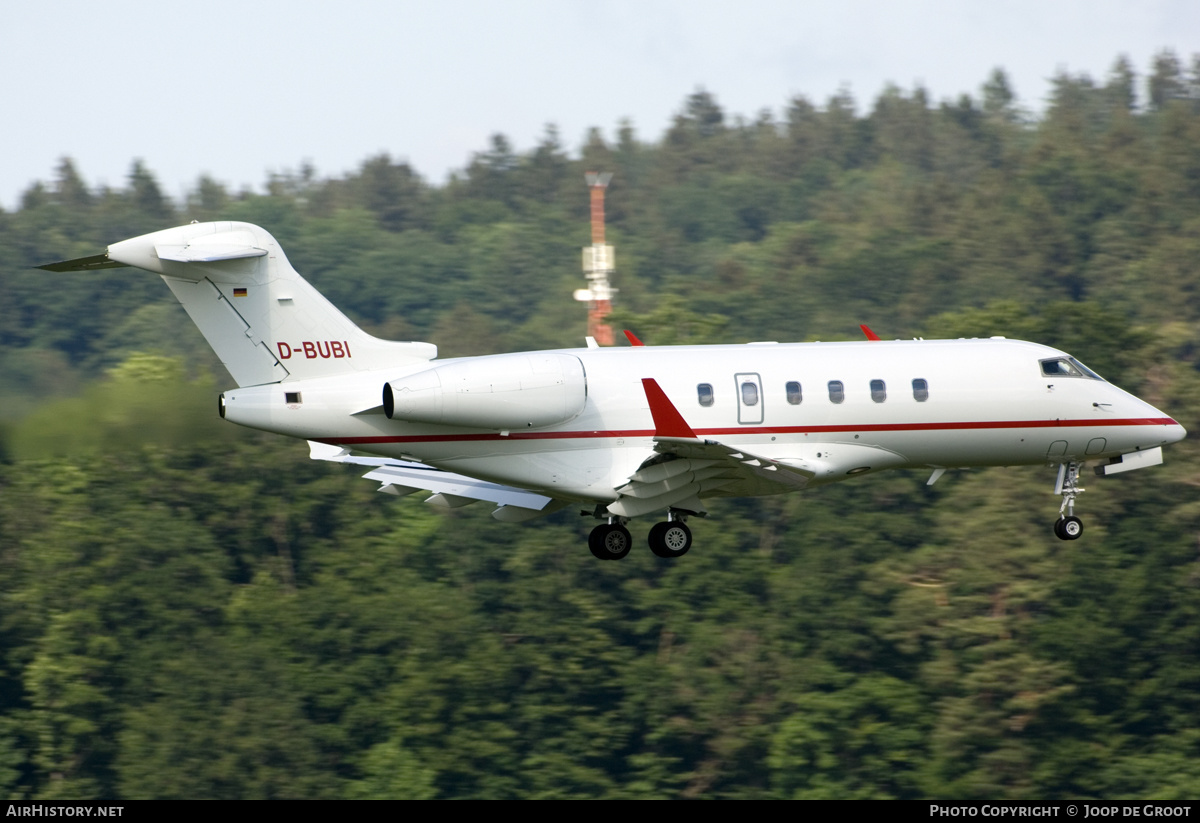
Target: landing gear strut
<point>672,537</point>
<point>611,540</point>
<point>1068,526</point>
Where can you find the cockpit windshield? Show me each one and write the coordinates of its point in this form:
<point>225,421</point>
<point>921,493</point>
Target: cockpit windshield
<point>1067,367</point>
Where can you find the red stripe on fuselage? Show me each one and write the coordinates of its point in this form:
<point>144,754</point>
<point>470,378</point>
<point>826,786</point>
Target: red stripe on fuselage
<point>744,430</point>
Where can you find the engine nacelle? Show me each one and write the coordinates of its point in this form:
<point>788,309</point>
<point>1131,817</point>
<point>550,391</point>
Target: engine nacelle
<point>501,391</point>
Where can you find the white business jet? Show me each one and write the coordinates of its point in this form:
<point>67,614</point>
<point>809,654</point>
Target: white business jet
<point>629,431</point>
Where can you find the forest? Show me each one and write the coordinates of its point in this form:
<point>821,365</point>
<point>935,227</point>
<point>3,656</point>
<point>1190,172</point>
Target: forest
<point>193,610</point>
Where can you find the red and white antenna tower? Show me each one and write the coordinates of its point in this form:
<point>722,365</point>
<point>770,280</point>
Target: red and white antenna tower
<point>598,265</point>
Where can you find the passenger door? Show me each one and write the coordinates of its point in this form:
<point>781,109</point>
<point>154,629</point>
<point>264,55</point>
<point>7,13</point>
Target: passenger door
<point>748,386</point>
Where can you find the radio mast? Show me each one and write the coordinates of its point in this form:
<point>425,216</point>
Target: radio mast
<point>598,265</point>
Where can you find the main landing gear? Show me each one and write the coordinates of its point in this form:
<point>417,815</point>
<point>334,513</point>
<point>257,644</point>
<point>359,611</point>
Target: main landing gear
<point>672,537</point>
<point>612,541</point>
<point>1068,526</point>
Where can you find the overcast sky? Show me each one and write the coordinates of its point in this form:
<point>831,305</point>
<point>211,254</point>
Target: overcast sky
<point>236,89</point>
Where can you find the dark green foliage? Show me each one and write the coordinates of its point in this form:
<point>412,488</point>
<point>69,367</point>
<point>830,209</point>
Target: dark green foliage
<point>192,610</point>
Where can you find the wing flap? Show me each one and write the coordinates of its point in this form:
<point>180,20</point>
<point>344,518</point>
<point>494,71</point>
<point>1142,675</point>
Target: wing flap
<point>517,514</point>
<point>698,468</point>
<point>449,501</point>
<point>657,472</point>
<point>678,481</point>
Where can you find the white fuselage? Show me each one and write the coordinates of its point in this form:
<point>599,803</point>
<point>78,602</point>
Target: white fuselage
<point>981,403</point>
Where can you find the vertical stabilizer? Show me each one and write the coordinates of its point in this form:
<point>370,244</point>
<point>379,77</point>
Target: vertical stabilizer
<point>265,322</point>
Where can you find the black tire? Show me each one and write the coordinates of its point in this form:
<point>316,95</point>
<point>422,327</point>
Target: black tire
<point>1068,528</point>
<point>670,539</point>
<point>610,541</point>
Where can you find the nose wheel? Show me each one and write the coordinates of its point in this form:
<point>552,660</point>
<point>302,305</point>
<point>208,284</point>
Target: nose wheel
<point>1068,526</point>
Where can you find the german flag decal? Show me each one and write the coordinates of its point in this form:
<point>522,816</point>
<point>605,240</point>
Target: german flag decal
<point>239,292</point>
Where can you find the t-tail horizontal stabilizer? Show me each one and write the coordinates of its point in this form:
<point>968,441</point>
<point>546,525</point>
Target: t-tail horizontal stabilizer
<point>90,263</point>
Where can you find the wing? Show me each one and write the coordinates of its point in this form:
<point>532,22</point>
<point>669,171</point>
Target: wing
<point>450,490</point>
<point>686,466</point>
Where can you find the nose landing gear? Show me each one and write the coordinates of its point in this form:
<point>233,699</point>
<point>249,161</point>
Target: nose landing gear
<point>1068,526</point>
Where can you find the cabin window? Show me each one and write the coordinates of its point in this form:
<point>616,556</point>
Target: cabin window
<point>793,393</point>
<point>704,393</point>
<point>920,390</point>
<point>878,391</point>
<point>749,393</point>
<point>291,397</point>
<point>837,392</point>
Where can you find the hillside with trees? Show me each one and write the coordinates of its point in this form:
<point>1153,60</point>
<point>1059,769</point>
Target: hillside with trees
<point>189,609</point>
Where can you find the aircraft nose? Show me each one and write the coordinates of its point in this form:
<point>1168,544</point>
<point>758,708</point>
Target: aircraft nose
<point>1175,432</point>
<point>1162,429</point>
<point>1171,431</point>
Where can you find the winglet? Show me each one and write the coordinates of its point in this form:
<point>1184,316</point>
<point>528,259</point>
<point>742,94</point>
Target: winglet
<point>867,331</point>
<point>668,422</point>
<point>633,340</point>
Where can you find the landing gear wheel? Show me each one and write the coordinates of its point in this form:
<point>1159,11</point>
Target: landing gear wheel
<point>1068,528</point>
<point>670,538</point>
<point>610,541</point>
